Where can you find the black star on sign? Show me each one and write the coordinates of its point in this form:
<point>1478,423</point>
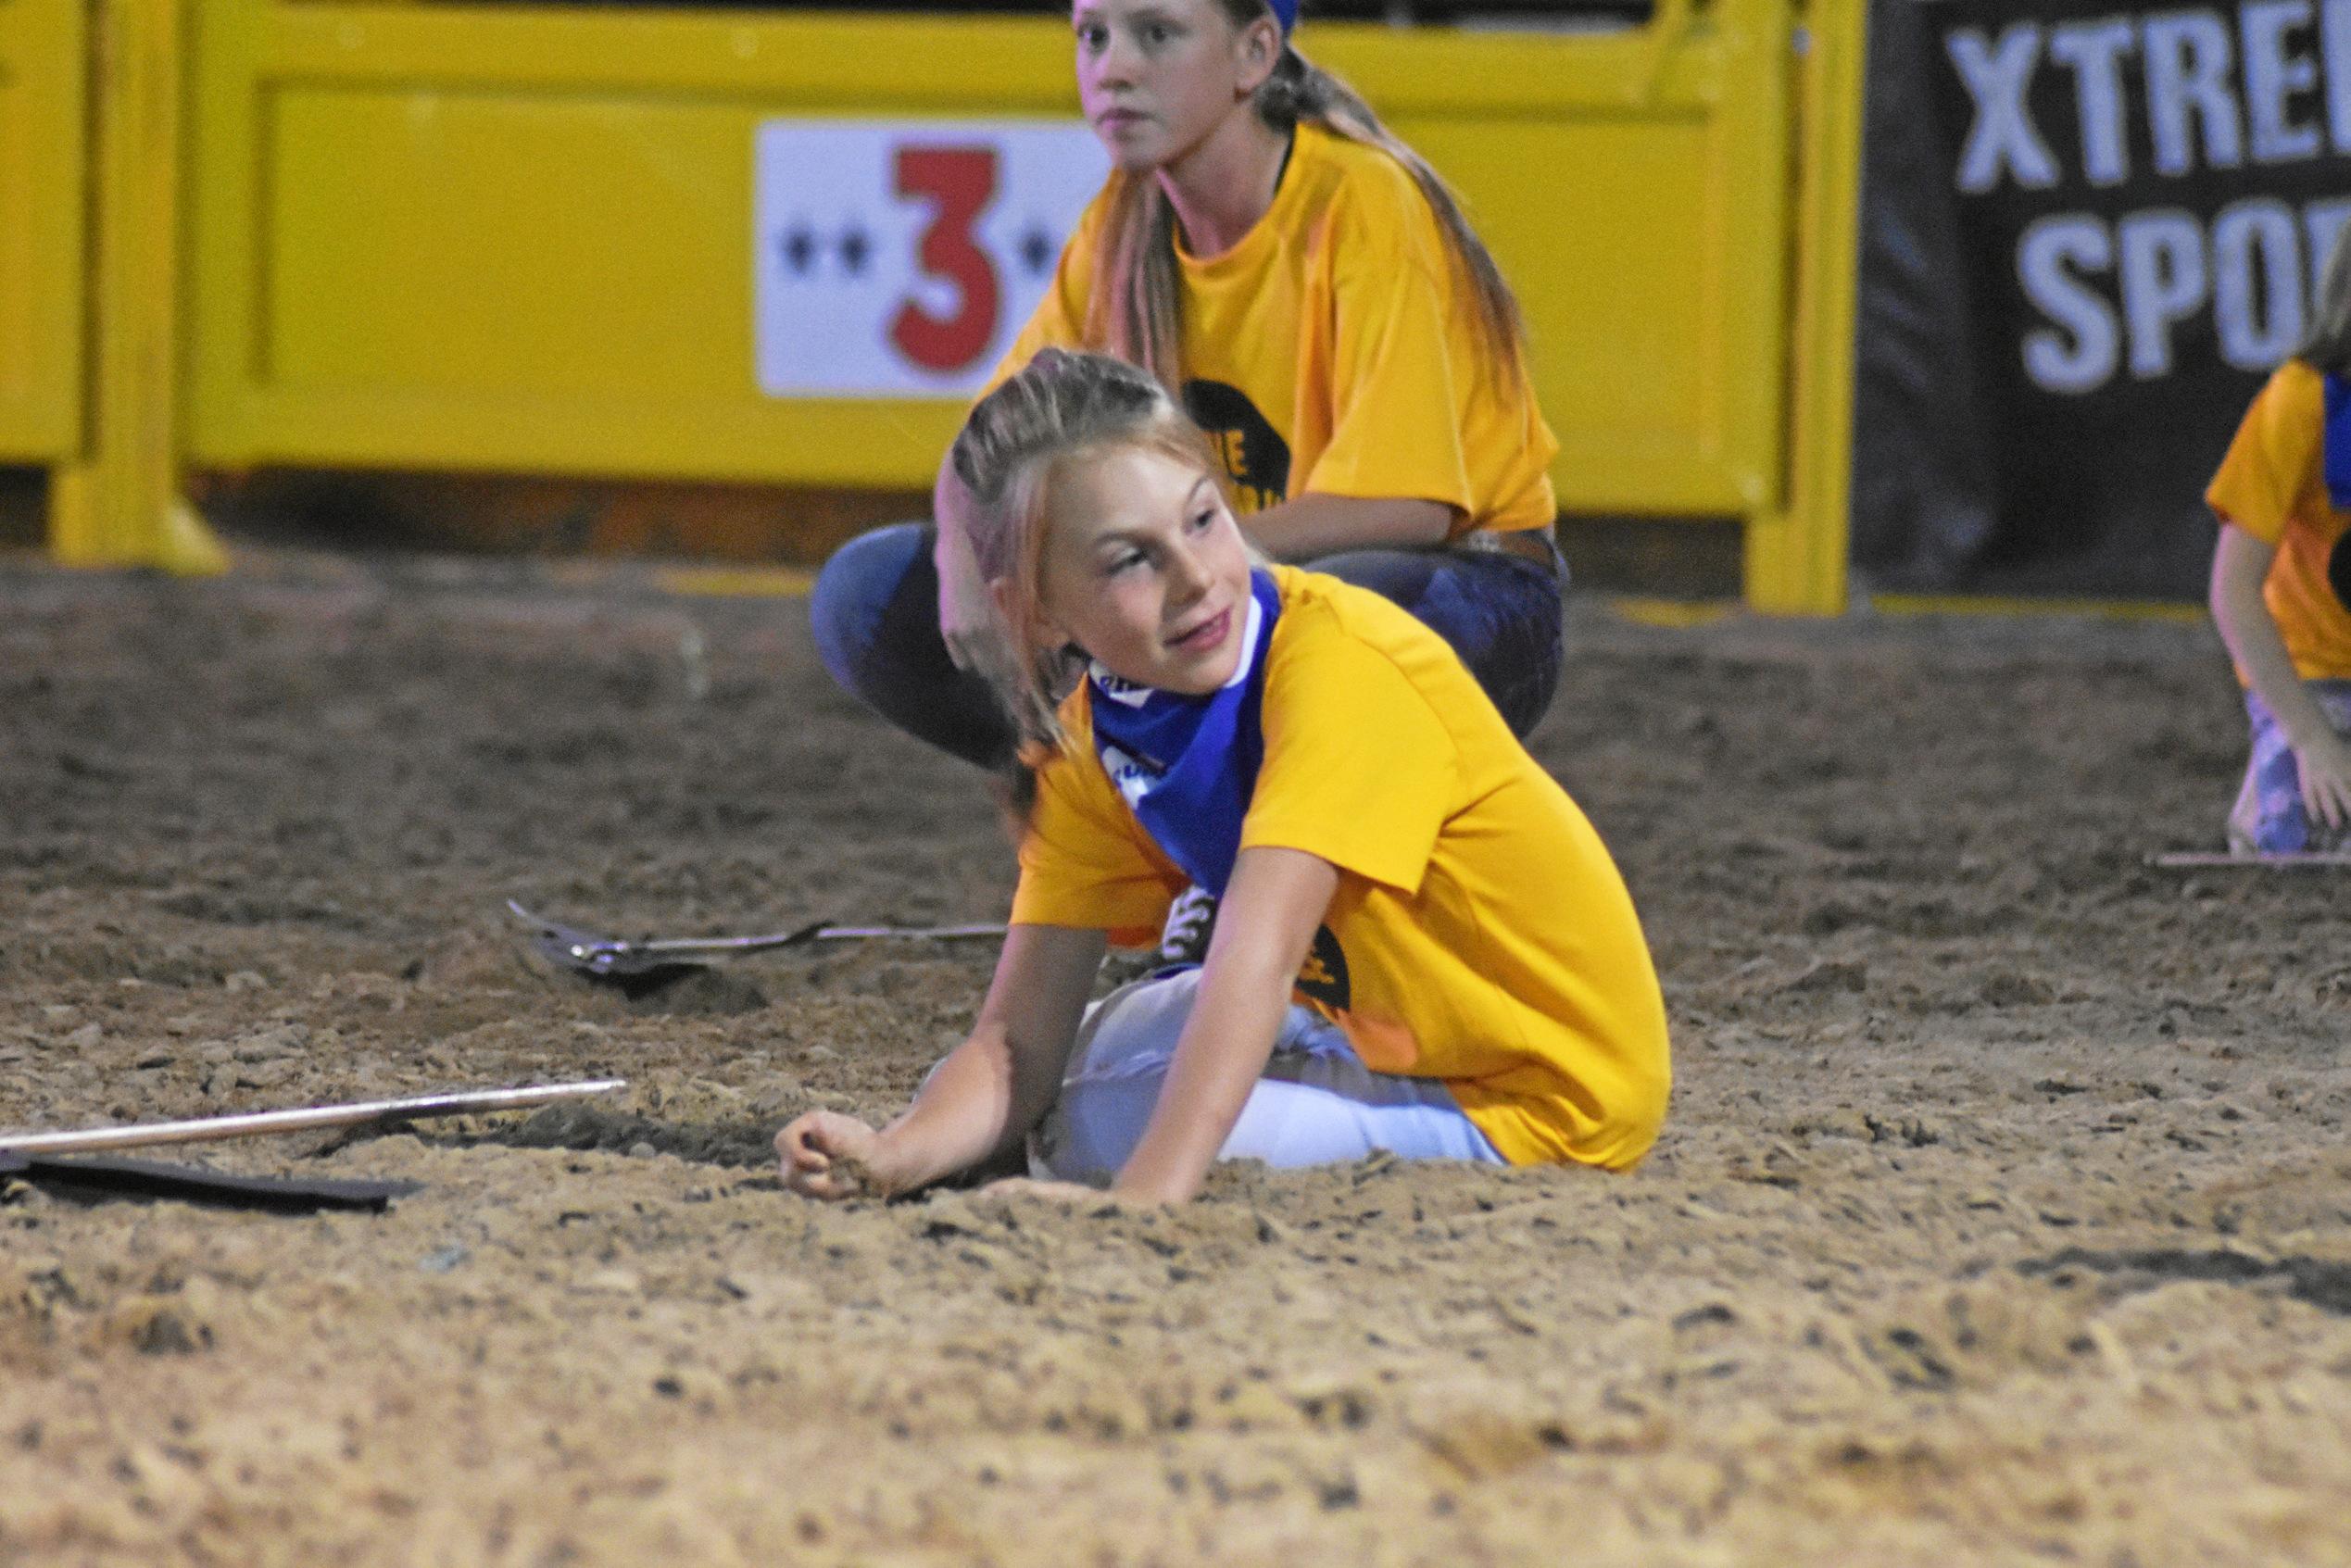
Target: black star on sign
<point>1037,250</point>
<point>855,247</point>
<point>799,251</point>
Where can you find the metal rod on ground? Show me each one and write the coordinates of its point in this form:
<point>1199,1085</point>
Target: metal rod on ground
<point>912,933</point>
<point>720,947</point>
<point>614,958</point>
<point>258,1123</point>
<point>2219,858</point>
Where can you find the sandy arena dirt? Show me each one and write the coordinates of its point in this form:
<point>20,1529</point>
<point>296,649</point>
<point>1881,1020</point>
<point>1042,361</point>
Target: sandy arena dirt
<point>2000,1214</point>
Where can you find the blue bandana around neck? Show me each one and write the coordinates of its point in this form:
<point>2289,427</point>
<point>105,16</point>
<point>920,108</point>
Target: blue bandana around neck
<point>1187,765</point>
<point>2338,442</point>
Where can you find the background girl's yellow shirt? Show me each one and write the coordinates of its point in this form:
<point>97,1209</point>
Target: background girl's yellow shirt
<point>1331,351</point>
<point>1480,933</point>
<point>2273,484</point>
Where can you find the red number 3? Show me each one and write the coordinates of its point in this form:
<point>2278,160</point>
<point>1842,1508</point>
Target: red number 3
<point>959,181</point>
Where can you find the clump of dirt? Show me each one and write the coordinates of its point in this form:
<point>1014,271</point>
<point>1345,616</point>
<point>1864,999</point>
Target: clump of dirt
<point>584,1127</point>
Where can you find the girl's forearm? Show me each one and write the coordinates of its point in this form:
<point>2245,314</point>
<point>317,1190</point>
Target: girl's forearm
<point>1272,905</point>
<point>1318,525</point>
<point>1219,1058</point>
<point>979,1102</point>
<point>957,1119</point>
<point>991,1089</point>
<point>2251,634</point>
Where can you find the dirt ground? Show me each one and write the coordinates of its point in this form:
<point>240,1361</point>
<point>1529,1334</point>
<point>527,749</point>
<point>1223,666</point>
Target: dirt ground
<point>2000,1213</point>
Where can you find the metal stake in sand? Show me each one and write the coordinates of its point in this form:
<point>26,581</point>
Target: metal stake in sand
<point>2221,860</point>
<point>259,1123</point>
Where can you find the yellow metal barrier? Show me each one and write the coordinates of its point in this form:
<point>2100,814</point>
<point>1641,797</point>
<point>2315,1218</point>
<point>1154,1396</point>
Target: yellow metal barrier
<point>424,232</point>
<point>517,239</point>
<point>43,55</point>
<point>1635,189</point>
<point>1797,552</point>
<point>117,499</point>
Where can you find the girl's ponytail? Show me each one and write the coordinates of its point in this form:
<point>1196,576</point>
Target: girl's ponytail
<point>1136,311</point>
<point>1300,90</point>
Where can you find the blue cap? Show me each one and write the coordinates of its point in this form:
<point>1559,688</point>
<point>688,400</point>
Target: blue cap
<point>1286,13</point>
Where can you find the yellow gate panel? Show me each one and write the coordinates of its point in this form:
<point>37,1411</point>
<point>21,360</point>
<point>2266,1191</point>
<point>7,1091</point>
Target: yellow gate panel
<point>43,232</point>
<point>384,204</point>
<point>459,237</point>
<point>1661,389</point>
<point>521,240</point>
<point>1634,188</point>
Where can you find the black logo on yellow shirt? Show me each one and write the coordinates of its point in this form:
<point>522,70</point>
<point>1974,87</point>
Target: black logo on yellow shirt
<point>1323,977</point>
<point>2339,570</point>
<point>1252,450</point>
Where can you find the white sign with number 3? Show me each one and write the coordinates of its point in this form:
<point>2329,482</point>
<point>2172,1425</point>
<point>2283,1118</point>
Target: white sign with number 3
<point>900,258</point>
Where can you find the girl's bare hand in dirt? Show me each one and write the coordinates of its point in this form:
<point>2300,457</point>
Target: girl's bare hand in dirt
<point>2325,768</point>
<point>829,1156</point>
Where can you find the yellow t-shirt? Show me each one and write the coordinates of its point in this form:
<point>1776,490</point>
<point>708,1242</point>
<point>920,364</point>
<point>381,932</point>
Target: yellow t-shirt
<point>1481,933</point>
<point>1331,350</point>
<point>2273,484</point>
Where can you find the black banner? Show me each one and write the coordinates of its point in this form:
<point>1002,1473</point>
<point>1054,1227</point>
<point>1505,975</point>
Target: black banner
<point>2089,235</point>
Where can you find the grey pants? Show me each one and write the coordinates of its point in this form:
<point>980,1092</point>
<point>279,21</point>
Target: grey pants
<point>1316,1105</point>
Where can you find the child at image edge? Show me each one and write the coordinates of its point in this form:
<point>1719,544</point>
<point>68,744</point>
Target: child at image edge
<point>1424,948</point>
<point>2282,580</point>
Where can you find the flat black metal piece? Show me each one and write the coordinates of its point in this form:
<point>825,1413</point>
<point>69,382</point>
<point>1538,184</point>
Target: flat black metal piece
<point>95,1177</point>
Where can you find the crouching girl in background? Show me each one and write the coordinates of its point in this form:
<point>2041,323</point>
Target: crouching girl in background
<point>2282,585</point>
<point>1423,946</point>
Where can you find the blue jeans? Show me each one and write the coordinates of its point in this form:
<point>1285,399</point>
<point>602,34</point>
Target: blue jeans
<point>876,612</point>
<point>2267,818</point>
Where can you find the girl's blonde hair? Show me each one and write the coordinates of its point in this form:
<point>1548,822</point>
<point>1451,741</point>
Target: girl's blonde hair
<point>1062,407</point>
<point>1136,310</point>
<point>2327,347</point>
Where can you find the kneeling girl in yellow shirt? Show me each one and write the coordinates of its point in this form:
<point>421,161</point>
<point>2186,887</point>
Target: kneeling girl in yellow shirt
<point>2282,585</point>
<point>1423,946</point>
